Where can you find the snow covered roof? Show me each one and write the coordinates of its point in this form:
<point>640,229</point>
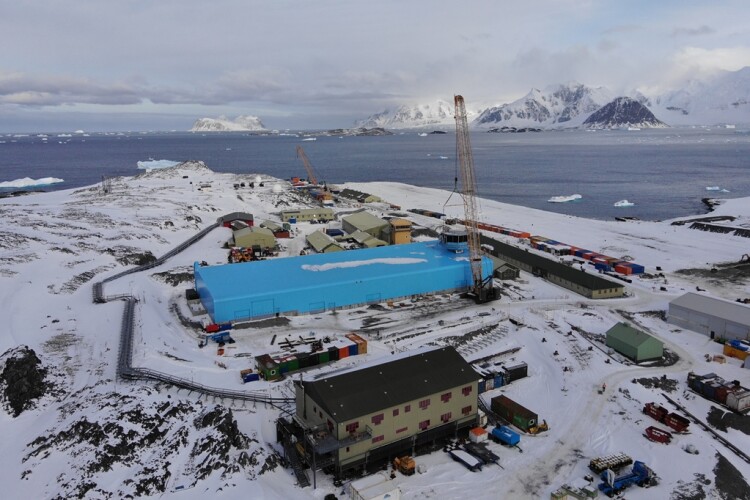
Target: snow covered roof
<point>730,311</point>
<point>362,392</point>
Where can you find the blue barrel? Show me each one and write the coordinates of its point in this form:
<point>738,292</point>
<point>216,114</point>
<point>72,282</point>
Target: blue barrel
<point>292,220</point>
<point>225,326</point>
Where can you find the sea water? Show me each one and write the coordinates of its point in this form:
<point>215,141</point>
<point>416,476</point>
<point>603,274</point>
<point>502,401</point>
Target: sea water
<point>663,172</point>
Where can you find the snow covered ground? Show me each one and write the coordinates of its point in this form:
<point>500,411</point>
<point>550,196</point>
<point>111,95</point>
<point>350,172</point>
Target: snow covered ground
<point>94,436</point>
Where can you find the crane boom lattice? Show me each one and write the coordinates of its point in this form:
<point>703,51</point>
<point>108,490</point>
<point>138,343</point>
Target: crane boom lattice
<point>465,161</point>
<point>308,166</point>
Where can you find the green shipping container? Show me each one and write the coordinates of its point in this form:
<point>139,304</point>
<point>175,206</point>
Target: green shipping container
<point>324,356</point>
<point>514,412</point>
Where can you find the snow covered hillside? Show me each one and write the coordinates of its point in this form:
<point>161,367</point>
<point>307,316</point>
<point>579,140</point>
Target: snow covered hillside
<point>436,115</point>
<point>71,428</point>
<point>246,123</point>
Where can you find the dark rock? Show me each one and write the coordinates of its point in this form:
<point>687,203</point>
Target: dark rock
<point>23,379</point>
<point>623,112</point>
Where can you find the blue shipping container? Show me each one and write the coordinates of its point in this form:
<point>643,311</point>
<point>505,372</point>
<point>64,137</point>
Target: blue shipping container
<point>353,350</point>
<point>250,377</point>
<point>482,386</point>
<point>499,380</point>
<point>637,268</point>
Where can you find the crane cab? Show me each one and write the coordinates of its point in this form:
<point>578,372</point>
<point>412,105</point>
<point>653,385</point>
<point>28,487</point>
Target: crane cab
<point>455,239</point>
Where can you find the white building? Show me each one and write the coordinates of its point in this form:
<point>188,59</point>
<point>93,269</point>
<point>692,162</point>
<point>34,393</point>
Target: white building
<point>717,318</point>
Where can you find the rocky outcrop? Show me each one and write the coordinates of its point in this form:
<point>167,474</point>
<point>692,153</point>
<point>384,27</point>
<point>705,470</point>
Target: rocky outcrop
<point>623,112</point>
<point>22,379</point>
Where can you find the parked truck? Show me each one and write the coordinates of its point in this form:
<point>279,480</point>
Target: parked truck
<point>612,484</point>
<point>613,462</point>
<point>504,435</point>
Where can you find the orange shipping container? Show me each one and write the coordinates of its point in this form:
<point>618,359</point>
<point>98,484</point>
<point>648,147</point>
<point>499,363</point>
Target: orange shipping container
<point>343,352</point>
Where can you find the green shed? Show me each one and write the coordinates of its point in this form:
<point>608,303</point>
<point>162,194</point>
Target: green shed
<point>634,344</point>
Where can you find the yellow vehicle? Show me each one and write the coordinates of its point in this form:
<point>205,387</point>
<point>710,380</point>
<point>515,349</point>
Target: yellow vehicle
<point>405,465</point>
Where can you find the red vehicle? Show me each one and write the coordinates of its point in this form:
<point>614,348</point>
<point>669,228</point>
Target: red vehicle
<point>658,435</point>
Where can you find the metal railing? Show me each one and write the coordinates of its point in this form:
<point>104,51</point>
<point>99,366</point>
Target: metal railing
<point>125,368</point>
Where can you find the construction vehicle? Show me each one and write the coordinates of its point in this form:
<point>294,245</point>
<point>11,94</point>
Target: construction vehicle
<point>405,465</point>
<point>536,429</point>
<point>308,166</point>
<point>612,484</point>
<point>482,290</point>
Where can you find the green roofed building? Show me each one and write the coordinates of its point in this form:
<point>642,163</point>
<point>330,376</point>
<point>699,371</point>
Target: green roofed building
<point>634,344</point>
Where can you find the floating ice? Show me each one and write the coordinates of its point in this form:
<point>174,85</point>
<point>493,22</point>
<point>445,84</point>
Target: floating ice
<point>359,263</point>
<point>29,182</point>
<point>712,188</point>
<point>624,203</point>
<point>564,199</point>
<point>443,157</point>
<point>310,139</point>
<point>725,191</point>
<point>151,163</point>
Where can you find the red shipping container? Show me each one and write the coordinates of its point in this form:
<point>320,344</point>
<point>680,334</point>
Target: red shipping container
<point>721,394</point>
<point>623,269</point>
<point>344,352</point>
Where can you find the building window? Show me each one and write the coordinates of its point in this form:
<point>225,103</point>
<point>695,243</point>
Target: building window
<point>376,419</point>
<point>424,424</point>
<point>466,390</point>
<point>466,410</point>
<point>424,403</point>
<point>407,408</point>
<point>378,439</point>
<point>446,397</point>
<point>395,412</point>
<point>402,429</point>
<point>352,428</point>
<point>445,417</point>
<point>347,449</point>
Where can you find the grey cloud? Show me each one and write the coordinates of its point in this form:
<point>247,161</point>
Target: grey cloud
<point>699,31</point>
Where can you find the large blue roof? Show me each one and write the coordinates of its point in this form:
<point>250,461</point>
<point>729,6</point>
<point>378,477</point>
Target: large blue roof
<point>296,283</point>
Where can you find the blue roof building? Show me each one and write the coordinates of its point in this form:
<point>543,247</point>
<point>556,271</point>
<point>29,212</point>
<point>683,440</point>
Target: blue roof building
<point>315,283</point>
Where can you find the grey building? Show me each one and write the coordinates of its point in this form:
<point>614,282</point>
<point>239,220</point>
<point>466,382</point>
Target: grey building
<point>717,318</point>
<point>588,284</point>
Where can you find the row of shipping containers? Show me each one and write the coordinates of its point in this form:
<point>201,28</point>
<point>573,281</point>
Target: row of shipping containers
<point>712,387</point>
<point>428,213</point>
<point>495,380</point>
<point>737,349</point>
<point>607,263</point>
<point>275,367</point>
<point>503,230</point>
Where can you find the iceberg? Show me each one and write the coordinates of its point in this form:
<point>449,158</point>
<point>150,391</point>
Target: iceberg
<point>29,182</point>
<point>151,163</point>
<point>624,203</point>
<point>712,188</point>
<point>564,199</point>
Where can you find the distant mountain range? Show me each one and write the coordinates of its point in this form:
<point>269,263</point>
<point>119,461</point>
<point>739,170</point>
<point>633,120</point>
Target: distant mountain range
<point>246,123</point>
<point>724,99</point>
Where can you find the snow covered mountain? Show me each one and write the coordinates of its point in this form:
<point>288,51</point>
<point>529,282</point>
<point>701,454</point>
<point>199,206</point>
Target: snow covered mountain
<point>555,106</point>
<point>723,99</point>
<point>438,114</point>
<point>623,112</point>
<point>243,123</point>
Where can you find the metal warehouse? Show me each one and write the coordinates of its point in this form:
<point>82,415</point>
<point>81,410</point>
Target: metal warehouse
<point>710,316</point>
<point>634,344</point>
<point>315,283</point>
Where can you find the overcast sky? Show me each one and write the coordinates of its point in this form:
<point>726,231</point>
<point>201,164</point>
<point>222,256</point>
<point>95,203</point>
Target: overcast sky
<point>159,65</point>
